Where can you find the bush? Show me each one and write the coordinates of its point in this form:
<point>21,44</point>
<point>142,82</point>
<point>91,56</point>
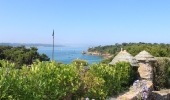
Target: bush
<point>80,62</point>
<point>110,80</point>
<point>44,80</point>
<point>162,74</point>
<point>51,81</point>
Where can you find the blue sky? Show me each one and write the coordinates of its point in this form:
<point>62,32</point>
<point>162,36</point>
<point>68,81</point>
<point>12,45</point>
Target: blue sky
<point>98,22</point>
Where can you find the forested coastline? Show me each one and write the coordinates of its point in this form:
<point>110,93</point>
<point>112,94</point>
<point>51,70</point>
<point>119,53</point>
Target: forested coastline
<point>21,55</point>
<point>157,50</point>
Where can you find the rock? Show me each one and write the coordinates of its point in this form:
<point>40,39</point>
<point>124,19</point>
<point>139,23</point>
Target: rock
<point>131,95</point>
<point>160,95</point>
<point>146,72</point>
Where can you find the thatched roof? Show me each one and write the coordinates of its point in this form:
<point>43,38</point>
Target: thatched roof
<point>161,58</point>
<point>145,56</point>
<point>124,56</point>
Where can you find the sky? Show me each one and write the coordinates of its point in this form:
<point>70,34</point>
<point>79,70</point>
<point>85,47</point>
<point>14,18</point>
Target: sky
<point>84,22</point>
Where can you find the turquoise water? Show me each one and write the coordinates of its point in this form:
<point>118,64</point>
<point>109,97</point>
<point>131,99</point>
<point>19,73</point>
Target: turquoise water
<point>67,54</point>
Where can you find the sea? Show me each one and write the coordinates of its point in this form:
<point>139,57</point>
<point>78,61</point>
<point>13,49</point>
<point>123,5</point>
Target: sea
<point>67,54</point>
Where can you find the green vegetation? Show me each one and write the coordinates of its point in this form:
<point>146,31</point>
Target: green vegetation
<point>53,81</point>
<point>107,61</point>
<point>162,69</point>
<point>80,62</point>
<point>162,74</point>
<point>157,50</point>
<point>21,55</point>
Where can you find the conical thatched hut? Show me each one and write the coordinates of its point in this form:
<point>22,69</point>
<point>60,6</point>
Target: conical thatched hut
<point>124,56</point>
<point>146,61</point>
<point>144,56</point>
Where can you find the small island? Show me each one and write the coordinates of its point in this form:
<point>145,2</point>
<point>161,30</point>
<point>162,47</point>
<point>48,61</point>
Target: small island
<point>83,52</point>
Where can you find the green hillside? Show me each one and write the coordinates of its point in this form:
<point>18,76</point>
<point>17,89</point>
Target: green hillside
<point>155,49</point>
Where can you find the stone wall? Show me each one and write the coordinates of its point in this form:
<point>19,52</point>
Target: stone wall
<point>131,94</point>
<point>160,95</point>
<point>154,95</point>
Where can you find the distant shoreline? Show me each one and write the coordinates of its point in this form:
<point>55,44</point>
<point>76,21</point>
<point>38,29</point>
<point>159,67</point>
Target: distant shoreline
<point>106,56</point>
<point>30,44</point>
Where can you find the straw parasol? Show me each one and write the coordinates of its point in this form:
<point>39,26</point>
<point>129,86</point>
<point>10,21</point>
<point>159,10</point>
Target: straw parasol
<point>124,56</point>
<point>144,56</point>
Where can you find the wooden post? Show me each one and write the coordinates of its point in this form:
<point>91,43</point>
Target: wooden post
<point>53,46</point>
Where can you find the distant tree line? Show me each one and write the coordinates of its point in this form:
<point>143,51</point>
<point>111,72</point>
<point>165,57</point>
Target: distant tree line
<point>21,55</point>
<point>157,50</point>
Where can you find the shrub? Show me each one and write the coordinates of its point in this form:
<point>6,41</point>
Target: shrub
<point>51,81</point>
<point>162,74</point>
<point>44,80</point>
<point>80,62</point>
<point>110,80</point>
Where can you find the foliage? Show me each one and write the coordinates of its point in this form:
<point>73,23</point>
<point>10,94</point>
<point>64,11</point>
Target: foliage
<point>157,50</point>
<point>80,62</point>
<point>51,81</point>
<point>45,80</point>
<point>107,61</point>
<point>162,74</point>
<point>21,55</point>
<point>111,79</point>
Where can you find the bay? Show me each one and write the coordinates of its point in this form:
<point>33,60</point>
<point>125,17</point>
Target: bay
<point>67,54</point>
